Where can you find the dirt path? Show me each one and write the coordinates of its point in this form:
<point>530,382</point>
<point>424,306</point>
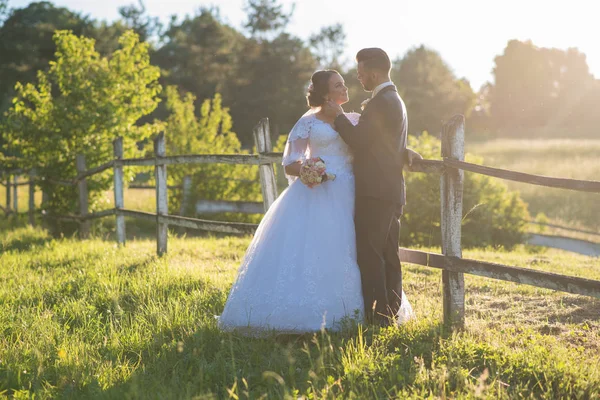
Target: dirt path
<point>568,244</point>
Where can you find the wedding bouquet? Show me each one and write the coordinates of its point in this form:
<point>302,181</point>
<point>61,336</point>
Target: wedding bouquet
<point>313,172</point>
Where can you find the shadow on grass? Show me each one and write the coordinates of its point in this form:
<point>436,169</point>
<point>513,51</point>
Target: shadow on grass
<point>137,264</point>
<point>16,235</point>
<point>212,363</point>
<point>22,242</point>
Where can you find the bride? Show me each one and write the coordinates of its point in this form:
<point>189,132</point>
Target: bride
<point>300,272</point>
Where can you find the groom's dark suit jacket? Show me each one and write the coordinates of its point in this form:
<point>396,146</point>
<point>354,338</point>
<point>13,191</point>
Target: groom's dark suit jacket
<point>379,145</point>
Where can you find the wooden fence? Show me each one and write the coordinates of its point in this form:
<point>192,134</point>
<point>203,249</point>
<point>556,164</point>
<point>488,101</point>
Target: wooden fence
<point>451,170</point>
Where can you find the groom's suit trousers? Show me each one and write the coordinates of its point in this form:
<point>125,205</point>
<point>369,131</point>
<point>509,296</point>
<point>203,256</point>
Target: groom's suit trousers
<point>377,231</point>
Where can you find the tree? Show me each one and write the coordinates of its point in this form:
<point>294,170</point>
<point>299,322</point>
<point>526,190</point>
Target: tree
<point>200,55</point>
<point>480,119</point>
<point>266,18</point>
<point>276,70</point>
<point>3,10</point>
<point>135,17</point>
<point>328,46</point>
<point>26,43</point>
<point>277,74</point>
<point>79,106</point>
<point>582,118</point>
<point>536,87</point>
<point>257,77</point>
<point>430,90</point>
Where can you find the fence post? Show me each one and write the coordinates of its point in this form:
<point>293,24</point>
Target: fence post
<point>268,184</point>
<point>118,182</point>
<point>186,193</point>
<point>8,194</point>
<point>84,225</point>
<point>160,175</point>
<point>453,146</point>
<point>16,194</point>
<point>32,198</point>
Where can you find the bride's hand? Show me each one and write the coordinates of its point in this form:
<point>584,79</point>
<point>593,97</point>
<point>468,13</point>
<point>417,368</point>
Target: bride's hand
<point>332,109</point>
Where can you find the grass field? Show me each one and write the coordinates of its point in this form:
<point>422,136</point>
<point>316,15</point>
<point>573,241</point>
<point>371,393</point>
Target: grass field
<point>560,158</point>
<point>92,320</point>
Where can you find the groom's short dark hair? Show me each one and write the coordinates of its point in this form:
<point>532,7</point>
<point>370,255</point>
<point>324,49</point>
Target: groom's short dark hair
<point>374,58</point>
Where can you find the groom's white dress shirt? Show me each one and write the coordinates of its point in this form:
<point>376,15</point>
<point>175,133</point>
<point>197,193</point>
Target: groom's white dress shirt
<point>379,87</point>
<point>375,91</point>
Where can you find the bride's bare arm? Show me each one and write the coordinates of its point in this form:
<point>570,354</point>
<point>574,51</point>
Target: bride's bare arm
<point>293,169</point>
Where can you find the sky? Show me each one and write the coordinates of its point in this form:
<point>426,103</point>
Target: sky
<point>467,33</point>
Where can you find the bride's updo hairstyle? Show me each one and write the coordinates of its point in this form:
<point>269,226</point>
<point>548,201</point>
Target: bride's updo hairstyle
<point>319,87</point>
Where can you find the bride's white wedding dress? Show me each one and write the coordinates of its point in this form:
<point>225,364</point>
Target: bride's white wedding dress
<point>299,273</point>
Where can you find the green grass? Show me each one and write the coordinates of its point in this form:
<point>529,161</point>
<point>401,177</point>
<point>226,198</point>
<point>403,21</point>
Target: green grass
<point>560,158</point>
<point>92,320</point>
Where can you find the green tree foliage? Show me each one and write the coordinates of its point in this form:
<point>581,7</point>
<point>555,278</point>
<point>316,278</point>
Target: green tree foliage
<point>26,44</point>
<point>135,17</point>
<point>480,120</point>
<point>430,90</point>
<point>492,216</point>
<point>79,106</point>
<point>260,76</point>
<point>277,74</point>
<point>208,134</point>
<point>201,55</point>
<point>266,18</point>
<point>537,87</point>
<point>3,10</point>
<point>278,67</point>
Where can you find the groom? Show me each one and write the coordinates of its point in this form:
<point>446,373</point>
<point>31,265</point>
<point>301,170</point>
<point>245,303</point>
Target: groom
<point>379,145</point>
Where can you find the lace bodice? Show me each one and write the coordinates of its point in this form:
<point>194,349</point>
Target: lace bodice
<point>312,137</point>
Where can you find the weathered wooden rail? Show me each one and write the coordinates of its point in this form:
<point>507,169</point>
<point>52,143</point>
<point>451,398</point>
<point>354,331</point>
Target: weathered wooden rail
<point>451,170</point>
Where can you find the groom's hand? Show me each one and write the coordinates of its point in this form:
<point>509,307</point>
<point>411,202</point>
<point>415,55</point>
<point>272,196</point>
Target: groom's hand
<point>332,109</point>
<point>411,156</point>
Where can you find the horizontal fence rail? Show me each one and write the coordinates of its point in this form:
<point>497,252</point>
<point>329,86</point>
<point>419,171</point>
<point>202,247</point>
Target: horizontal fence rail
<point>542,279</point>
<point>76,217</point>
<point>427,166</point>
<point>219,206</point>
<point>561,183</point>
<point>153,187</point>
<point>234,159</point>
<point>184,222</point>
<point>17,184</point>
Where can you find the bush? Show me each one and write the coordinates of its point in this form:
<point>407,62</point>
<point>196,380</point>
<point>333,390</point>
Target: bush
<point>492,216</point>
<point>209,134</point>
